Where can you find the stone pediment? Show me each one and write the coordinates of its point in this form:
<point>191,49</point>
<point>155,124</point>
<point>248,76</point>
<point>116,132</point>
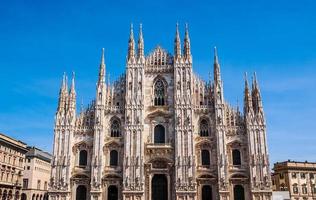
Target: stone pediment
<point>159,112</point>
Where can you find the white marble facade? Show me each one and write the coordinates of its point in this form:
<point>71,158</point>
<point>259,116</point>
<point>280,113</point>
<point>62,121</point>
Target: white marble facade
<point>160,133</point>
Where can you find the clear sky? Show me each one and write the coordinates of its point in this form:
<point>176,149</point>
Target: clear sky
<point>39,40</point>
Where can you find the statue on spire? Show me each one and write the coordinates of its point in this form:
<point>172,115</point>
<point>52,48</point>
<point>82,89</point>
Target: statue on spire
<point>131,45</point>
<point>140,48</point>
<point>101,79</point>
<point>187,46</point>
<point>177,44</point>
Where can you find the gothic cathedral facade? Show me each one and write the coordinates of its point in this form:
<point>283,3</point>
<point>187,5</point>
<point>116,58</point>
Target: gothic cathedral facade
<point>159,132</point>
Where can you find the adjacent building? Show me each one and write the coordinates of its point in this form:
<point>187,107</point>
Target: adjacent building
<point>296,177</point>
<point>12,156</point>
<point>160,132</point>
<point>36,174</point>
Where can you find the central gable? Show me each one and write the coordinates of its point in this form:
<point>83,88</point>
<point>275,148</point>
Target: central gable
<point>159,57</point>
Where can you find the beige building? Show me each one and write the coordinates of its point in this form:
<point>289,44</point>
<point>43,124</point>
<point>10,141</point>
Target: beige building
<point>160,132</point>
<point>36,174</point>
<point>296,177</point>
<point>12,155</point>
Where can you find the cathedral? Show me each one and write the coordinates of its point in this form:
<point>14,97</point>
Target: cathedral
<point>159,132</point>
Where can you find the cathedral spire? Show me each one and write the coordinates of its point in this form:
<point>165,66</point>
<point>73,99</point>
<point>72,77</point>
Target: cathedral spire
<point>140,52</point>
<point>177,44</point>
<point>63,93</point>
<point>247,97</point>
<point>256,95</point>
<point>101,79</point>
<point>217,71</point>
<point>72,93</point>
<point>187,48</point>
<point>72,87</point>
<point>131,45</point>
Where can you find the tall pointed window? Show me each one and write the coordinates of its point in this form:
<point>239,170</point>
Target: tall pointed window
<point>113,158</point>
<point>159,134</point>
<point>205,157</point>
<point>204,128</point>
<point>236,157</point>
<point>115,128</point>
<point>159,90</point>
<point>83,158</point>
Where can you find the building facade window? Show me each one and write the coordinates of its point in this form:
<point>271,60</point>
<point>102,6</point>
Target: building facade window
<point>113,158</point>
<point>293,175</point>
<point>236,157</point>
<point>304,189</point>
<point>83,158</point>
<point>159,134</point>
<point>45,185</point>
<point>303,175</point>
<point>38,184</point>
<point>25,183</point>
<point>281,176</point>
<point>295,189</point>
<point>205,154</point>
<point>115,128</point>
<point>159,93</point>
<point>204,128</point>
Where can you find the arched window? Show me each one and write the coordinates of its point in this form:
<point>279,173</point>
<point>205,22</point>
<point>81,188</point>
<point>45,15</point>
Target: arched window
<point>159,93</point>
<point>239,192</point>
<point>113,158</point>
<point>159,134</point>
<point>115,128</point>
<point>205,157</point>
<point>83,158</point>
<point>304,189</point>
<point>295,189</point>
<point>236,157</point>
<point>203,128</point>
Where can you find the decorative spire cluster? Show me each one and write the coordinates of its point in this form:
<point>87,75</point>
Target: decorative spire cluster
<point>67,97</point>
<point>131,57</point>
<point>252,99</point>
<point>186,45</point>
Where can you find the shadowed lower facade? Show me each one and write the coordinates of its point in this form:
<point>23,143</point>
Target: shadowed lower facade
<point>160,133</point>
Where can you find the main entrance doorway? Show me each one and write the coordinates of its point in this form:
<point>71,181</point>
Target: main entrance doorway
<point>239,192</point>
<point>206,192</point>
<point>81,193</point>
<point>159,187</point>
<point>112,193</point>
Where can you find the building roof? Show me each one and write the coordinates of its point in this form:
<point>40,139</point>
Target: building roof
<point>298,165</point>
<point>12,142</point>
<point>34,152</point>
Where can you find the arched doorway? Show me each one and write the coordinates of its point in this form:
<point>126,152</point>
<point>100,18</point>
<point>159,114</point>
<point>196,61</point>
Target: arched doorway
<point>206,192</point>
<point>23,196</point>
<point>112,192</point>
<point>239,192</point>
<point>159,187</point>
<point>81,192</point>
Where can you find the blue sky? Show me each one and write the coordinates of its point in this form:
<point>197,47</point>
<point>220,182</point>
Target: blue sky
<point>39,40</point>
